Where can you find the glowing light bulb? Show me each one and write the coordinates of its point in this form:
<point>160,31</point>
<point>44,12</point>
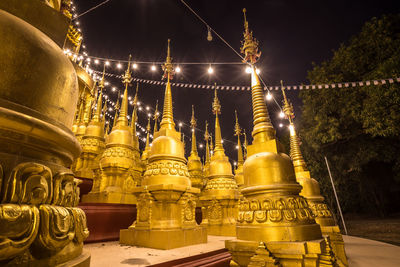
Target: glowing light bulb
<point>131,102</point>
<point>114,89</point>
<point>248,69</point>
<point>180,124</point>
<point>210,70</point>
<point>201,145</point>
<point>96,61</point>
<point>138,103</point>
<point>237,147</point>
<point>88,59</point>
<point>281,114</point>
<point>235,163</point>
<point>106,83</point>
<point>178,69</point>
<point>269,96</point>
<point>280,125</point>
<point>222,141</point>
<point>258,71</point>
<point>140,108</point>
<point>153,68</point>
<point>107,63</point>
<point>148,114</point>
<point>134,66</point>
<point>129,98</point>
<point>110,109</point>
<point>119,66</point>
<point>147,107</point>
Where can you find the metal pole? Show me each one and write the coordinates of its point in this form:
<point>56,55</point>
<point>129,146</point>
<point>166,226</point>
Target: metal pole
<point>334,191</point>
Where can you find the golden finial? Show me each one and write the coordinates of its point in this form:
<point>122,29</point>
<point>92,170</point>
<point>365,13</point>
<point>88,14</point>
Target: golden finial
<point>134,112</point>
<point>101,83</point>
<point>97,114</point>
<point>168,116</point>
<point>287,106</point>
<point>249,44</point>
<point>107,130</point>
<point>207,138</point>
<point>116,109</point>
<point>216,106</point>
<point>127,77</point>
<point>193,124</point>
<point>167,67</point>
<point>245,143</point>
<point>238,132</point>
<point>135,99</point>
<point>155,118</point>
<point>104,111</point>
<point>263,129</point>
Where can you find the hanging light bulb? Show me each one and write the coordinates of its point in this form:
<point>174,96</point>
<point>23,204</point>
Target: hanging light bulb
<point>114,89</point>
<point>248,69</point>
<point>201,145</point>
<point>258,71</point>
<point>280,125</point>
<point>269,96</point>
<point>153,68</point>
<point>178,69</point>
<point>134,65</point>
<point>119,66</point>
<point>281,114</point>
<point>107,63</point>
<point>209,35</point>
<point>96,61</point>
<point>210,70</point>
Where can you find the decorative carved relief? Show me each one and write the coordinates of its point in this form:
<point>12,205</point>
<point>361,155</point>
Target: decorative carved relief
<point>65,190</point>
<point>29,183</point>
<point>19,226</point>
<point>287,209</point>
<point>214,210</point>
<point>167,168</point>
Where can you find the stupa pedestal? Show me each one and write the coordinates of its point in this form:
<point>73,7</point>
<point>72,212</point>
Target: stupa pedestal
<point>166,199</point>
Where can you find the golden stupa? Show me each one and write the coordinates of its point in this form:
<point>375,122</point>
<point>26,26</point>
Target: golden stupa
<point>311,190</point>
<point>40,224</point>
<point>219,198</point>
<point>120,165</point>
<point>239,169</point>
<point>166,199</point>
<point>195,167</point>
<point>92,142</point>
<point>145,154</point>
<point>273,211</point>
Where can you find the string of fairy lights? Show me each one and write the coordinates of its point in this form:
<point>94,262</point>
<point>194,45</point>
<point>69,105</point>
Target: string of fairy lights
<point>210,68</point>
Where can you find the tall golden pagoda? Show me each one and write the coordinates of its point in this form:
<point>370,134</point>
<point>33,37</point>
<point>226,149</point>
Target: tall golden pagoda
<point>195,167</point>
<point>40,224</point>
<point>311,190</point>
<point>92,142</point>
<point>167,200</point>
<point>220,196</point>
<point>120,162</point>
<point>239,170</point>
<point>273,212</point>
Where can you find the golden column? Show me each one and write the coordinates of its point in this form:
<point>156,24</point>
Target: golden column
<point>273,212</point>
<point>40,224</point>
<point>239,170</point>
<point>92,142</point>
<point>166,206</point>
<point>195,167</point>
<point>311,190</point>
<point>220,196</point>
<point>120,161</point>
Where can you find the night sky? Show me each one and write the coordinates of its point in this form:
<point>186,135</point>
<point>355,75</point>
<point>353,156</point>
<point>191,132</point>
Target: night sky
<point>292,35</point>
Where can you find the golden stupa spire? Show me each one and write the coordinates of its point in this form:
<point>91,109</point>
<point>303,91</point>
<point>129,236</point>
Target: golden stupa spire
<point>216,108</point>
<point>97,114</point>
<point>193,124</point>
<point>207,138</point>
<point>127,78</point>
<point>263,129</point>
<point>238,133</point>
<point>155,118</point>
<point>168,116</point>
<point>81,111</point>
<point>107,130</point>
<point>148,128</point>
<point>295,151</point>
<point>116,108</point>
<point>134,112</point>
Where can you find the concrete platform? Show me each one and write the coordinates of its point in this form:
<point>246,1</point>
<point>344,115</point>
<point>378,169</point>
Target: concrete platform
<point>360,252</point>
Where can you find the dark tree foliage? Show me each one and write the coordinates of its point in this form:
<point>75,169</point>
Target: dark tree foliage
<point>357,128</point>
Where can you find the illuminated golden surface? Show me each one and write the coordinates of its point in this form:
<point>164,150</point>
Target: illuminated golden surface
<point>166,199</point>
<point>220,197</point>
<point>40,224</point>
<point>272,212</point>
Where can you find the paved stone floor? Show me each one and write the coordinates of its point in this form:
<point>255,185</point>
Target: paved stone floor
<point>360,252</point>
